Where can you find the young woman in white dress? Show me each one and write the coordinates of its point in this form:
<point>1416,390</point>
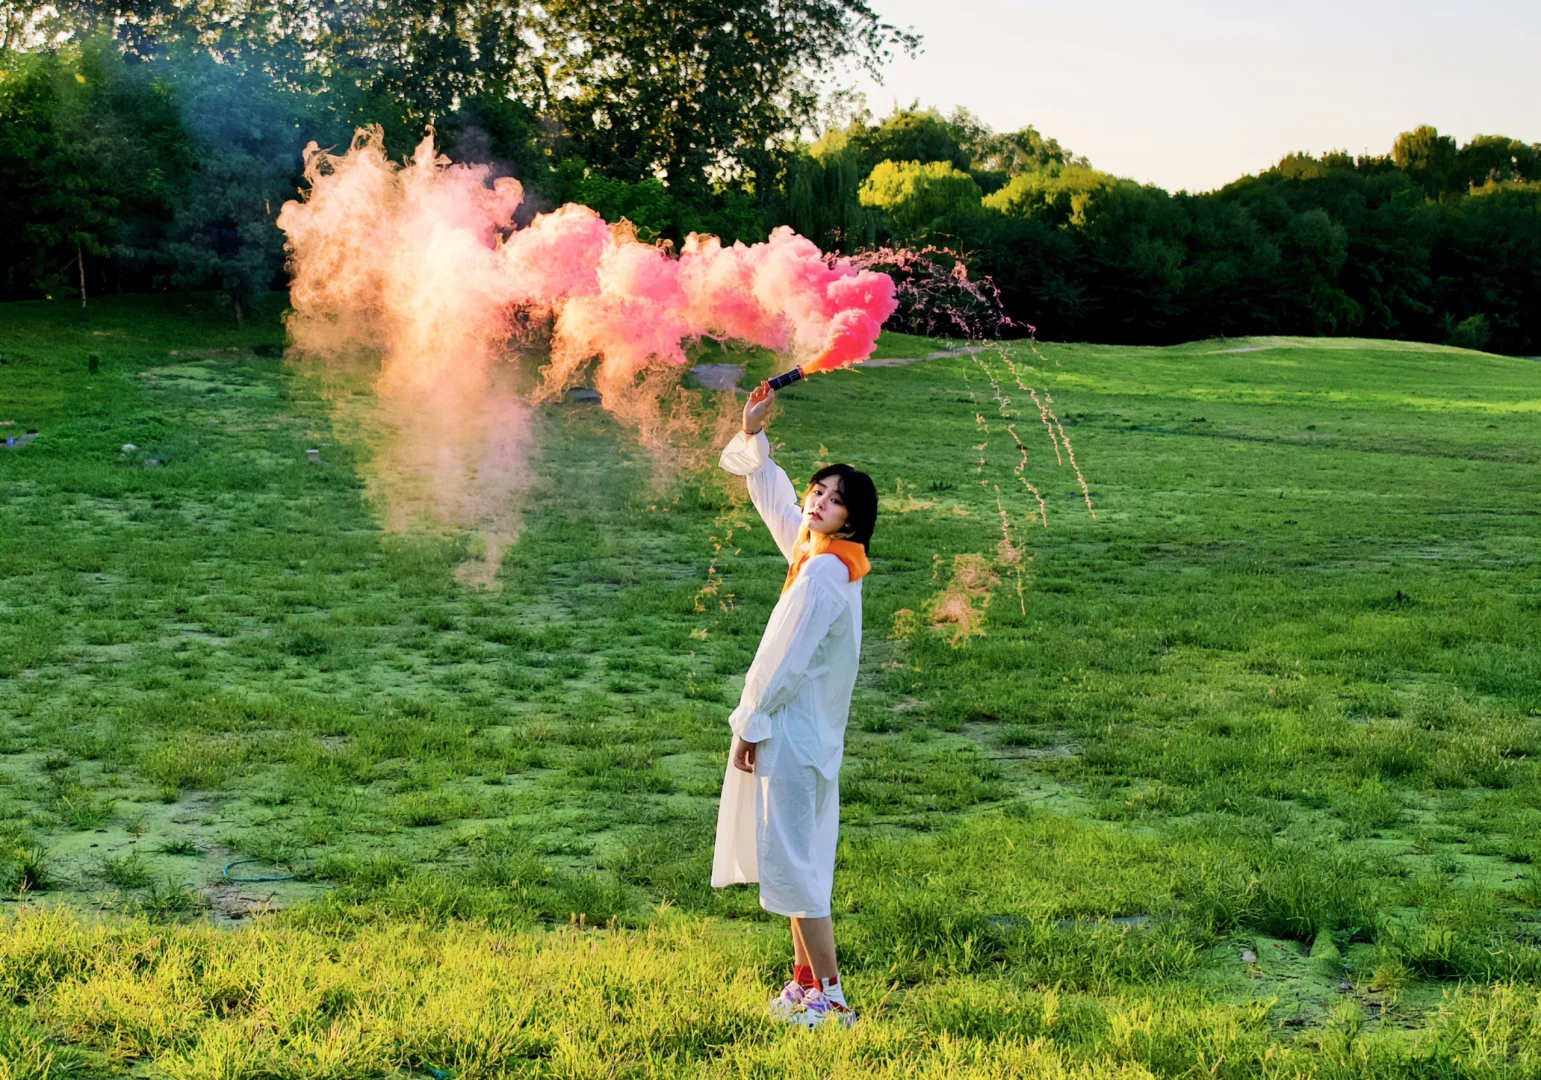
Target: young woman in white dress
<point>780,815</point>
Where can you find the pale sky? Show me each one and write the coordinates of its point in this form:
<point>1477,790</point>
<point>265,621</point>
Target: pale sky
<point>1195,94</point>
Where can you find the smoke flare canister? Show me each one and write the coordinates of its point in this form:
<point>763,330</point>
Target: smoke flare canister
<point>786,378</point>
<point>829,360</point>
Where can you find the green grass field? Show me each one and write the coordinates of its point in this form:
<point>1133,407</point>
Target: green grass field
<point>1238,779</point>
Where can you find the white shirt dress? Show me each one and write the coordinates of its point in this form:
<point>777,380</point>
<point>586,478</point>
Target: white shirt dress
<point>779,825</point>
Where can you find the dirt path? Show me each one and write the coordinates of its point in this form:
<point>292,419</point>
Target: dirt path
<point>944,354</point>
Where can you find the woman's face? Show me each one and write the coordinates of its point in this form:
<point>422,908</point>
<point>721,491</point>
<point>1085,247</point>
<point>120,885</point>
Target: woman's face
<point>824,507</point>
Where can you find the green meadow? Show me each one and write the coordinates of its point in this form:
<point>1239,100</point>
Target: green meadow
<point>1237,778</point>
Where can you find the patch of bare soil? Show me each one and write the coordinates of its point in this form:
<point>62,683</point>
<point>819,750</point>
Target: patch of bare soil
<point>719,376</point>
<point>230,901</point>
<point>1056,751</point>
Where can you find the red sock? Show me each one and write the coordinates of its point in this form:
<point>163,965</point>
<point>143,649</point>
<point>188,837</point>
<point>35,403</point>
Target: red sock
<point>803,974</point>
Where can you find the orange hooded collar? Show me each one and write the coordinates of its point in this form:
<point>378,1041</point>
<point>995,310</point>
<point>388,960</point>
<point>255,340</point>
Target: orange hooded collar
<point>810,543</point>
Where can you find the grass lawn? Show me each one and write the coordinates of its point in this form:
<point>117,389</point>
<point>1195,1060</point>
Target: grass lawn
<point>1238,778</point>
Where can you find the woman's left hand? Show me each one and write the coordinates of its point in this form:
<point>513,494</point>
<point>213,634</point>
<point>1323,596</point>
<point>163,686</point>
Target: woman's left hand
<point>742,755</point>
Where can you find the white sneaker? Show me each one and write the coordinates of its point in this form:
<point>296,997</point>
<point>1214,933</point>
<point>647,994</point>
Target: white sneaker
<point>819,1006</point>
<point>836,995</point>
<point>787,1004</point>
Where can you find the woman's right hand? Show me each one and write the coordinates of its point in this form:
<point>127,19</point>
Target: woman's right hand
<point>742,755</point>
<point>756,407</point>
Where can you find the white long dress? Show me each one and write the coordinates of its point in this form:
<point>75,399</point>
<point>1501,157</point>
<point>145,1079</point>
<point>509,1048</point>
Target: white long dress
<point>779,825</point>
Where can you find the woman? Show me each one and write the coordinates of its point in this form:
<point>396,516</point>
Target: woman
<point>780,813</point>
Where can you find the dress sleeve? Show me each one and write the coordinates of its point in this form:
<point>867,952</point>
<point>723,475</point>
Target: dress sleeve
<point>769,489</point>
<point>797,627</point>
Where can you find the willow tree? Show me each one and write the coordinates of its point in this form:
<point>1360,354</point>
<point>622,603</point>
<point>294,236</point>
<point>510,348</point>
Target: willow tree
<point>824,201</point>
<point>702,91</point>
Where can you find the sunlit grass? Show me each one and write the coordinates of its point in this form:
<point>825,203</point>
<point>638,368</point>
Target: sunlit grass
<point>397,998</point>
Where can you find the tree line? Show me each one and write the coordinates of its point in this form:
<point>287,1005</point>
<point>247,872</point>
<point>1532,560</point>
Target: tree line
<point>1430,242</point>
<point>149,144</point>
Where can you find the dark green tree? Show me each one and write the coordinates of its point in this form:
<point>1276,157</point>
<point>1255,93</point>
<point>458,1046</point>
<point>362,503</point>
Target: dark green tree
<point>86,143</point>
<point>1497,159</point>
<point>824,204</point>
<point>398,63</point>
<point>1428,157</point>
<point>911,134</point>
<point>246,141</point>
<point>693,91</point>
<point>1023,151</point>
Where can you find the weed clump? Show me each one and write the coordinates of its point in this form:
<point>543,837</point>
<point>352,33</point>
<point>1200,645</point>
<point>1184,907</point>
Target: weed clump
<point>182,846</point>
<point>126,871</point>
<point>1286,891</point>
<point>169,899</point>
<point>81,808</point>
<point>23,861</point>
<point>189,760</point>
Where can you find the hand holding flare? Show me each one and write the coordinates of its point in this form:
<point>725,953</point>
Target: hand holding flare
<point>759,403</point>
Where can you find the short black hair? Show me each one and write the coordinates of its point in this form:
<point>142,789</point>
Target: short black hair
<point>861,502</point>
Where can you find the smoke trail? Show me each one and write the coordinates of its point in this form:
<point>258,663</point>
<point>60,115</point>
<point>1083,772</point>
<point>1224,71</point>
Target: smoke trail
<point>423,263</point>
<point>396,260</point>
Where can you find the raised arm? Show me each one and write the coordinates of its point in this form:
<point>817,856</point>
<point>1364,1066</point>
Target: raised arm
<point>748,455</point>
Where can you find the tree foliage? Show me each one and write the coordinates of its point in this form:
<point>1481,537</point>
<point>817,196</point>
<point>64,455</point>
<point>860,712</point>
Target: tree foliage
<point>916,196</point>
<point>684,91</point>
<point>407,62</point>
<point>823,201</point>
<point>246,141</point>
<point>1426,156</point>
<point>693,90</point>
<point>147,144</point>
<point>908,135</point>
<point>1416,244</point>
<point>85,145</point>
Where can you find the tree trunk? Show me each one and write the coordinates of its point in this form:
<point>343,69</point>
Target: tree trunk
<point>80,261</point>
<point>240,323</point>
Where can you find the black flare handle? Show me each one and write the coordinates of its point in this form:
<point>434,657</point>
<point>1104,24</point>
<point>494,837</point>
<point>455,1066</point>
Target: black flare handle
<point>786,378</point>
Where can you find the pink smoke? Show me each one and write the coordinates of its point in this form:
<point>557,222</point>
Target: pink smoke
<point>417,259</point>
<point>396,260</point>
<point>630,304</point>
<point>422,263</point>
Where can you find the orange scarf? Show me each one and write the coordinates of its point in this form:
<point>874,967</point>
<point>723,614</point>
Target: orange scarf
<point>810,543</point>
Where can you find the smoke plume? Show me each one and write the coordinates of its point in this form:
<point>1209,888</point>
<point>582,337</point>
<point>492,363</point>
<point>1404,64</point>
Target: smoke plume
<point>422,263</point>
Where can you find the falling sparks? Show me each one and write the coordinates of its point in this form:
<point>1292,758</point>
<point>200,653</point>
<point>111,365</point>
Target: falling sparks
<point>1051,422</point>
<point>1007,551</point>
<point>1070,453</point>
<point>961,604</point>
<point>1043,507</point>
<point>1048,422</point>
